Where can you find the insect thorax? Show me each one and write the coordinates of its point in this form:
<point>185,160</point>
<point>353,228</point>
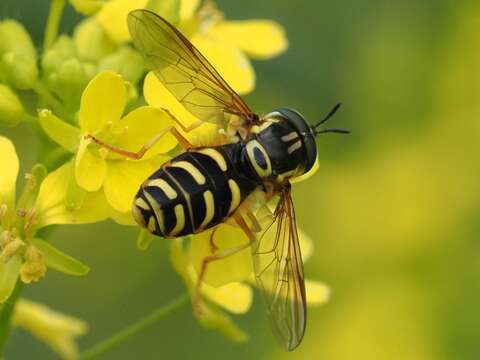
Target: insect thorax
<point>276,150</point>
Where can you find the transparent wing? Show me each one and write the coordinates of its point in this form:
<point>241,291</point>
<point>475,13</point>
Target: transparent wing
<point>184,70</point>
<point>279,272</point>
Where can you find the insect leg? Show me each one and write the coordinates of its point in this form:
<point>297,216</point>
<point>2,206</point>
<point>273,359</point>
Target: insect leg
<point>197,295</point>
<point>183,127</point>
<point>148,145</point>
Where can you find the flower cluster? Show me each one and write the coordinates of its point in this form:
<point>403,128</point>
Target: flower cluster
<point>89,84</point>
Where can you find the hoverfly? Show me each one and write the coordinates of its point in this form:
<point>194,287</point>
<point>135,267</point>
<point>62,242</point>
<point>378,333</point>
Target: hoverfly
<point>204,186</point>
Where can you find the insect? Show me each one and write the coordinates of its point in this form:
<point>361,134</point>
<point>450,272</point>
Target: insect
<point>204,186</point>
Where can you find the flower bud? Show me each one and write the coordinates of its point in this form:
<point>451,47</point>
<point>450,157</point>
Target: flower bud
<point>18,55</point>
<point>62,49</point>
<point>20,69</point>
<point>69,81</point>
<point>126,62</point>
<point>91,40</point>
<point>11,109</point>
<point>14,37</point>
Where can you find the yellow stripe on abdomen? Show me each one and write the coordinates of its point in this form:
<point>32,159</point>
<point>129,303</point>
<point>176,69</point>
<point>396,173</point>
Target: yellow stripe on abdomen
<point>209,209</point>
<point>164,186</point>
<point>236,195</point>
<point>216,156</point>
<point>157,211</point>
<point>191,169</point>
<point>180,220</point>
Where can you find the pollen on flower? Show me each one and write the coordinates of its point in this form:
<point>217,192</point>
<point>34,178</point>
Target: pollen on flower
<point>3,210</point>
<point>30,219</point>
<point>5,238</point>
<point>11,248</point>
<point>34,268</point>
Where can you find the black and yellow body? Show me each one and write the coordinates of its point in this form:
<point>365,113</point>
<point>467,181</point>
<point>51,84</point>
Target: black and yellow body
<point>202,187</point>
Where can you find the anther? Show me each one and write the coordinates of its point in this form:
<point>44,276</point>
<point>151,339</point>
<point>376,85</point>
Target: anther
<point>3,210</point>
<point>13,248</point>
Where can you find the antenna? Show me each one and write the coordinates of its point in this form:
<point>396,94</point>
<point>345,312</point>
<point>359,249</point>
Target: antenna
<point>325,119</point>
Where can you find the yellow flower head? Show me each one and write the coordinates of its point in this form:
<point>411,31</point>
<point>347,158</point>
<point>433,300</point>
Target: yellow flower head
<point>57,330</point>
<point>21,253</point>
<point>226,44</point>
<point>101,115</point>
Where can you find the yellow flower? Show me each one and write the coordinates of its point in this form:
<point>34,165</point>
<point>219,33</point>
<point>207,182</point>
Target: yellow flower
<point>57,330</point>
<point>226,44</point>
<point>97,169</point>
<point>227,282</point>
<point>21,253</point>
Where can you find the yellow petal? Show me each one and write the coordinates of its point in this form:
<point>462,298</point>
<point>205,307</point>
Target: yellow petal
<point>307,175</point>
<point>113,17</point>
<point>229,61</point>
<point>235,297</point>
<point>90,169</point>
<point>157,95</point>
<point>318,293</point>
<point>188,8</point>
<point>102,101</point>
<point>236,267</point>
<point>9,171</point>
<point>87,7</point>
<point>51,206</point>
<point>306,244</point>
<point>124,179</point>
<point>140,126</point>
<point>55,329</point>
<point>64,134</point>
<point>261,39</point>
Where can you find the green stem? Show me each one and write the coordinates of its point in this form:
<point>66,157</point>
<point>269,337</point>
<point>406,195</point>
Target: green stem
<point>134,329</point>
<point>53,22</point>
<point>6,311</point>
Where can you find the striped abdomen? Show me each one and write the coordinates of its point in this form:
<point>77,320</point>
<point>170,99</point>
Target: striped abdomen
<point>194,191</point>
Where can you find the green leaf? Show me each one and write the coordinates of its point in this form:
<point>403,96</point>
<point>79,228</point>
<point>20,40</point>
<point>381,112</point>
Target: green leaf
<point>64,134</point>
<point>8,276</point>
<point>144,239</point>
<point>60,261</point>
<point>168,9</point>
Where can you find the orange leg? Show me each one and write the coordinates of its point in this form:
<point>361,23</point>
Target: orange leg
<point>148,145</point>
<point>197,295</point>
<point>183,127</point>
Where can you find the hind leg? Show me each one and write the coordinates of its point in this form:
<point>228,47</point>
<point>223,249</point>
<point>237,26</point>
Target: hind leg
<point>147,146</point>
<point>197,295</point>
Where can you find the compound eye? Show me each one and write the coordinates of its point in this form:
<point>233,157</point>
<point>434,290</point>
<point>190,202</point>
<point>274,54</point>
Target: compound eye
<point>259,158</point>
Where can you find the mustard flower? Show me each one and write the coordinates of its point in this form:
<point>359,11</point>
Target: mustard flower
<point>22,253</point>
<point>226,44</point>
<point>57,330</point>
<point>95,168</point>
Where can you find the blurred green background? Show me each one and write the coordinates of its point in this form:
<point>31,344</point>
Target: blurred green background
<point>393,210</point>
